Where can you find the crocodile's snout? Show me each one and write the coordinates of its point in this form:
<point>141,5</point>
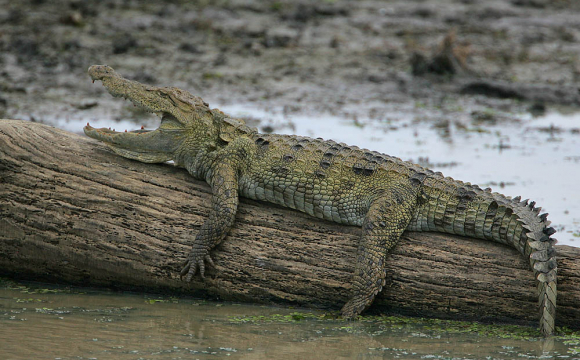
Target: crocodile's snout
<point>99,72</point>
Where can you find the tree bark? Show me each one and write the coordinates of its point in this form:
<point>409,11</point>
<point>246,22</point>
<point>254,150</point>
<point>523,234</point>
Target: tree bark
<point>74,212</point>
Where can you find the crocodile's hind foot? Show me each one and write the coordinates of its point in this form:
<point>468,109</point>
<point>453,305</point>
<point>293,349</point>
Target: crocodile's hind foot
<point>195,260</point>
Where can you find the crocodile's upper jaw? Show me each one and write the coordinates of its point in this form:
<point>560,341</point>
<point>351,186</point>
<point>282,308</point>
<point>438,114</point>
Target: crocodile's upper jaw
<point>182,105</point>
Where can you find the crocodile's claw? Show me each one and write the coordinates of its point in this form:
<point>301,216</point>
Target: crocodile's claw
<point>196,258</point>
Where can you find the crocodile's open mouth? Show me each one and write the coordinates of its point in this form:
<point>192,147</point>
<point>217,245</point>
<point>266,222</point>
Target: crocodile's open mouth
<point>151,146</point>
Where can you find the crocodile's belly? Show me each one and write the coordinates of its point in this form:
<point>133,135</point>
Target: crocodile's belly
<point>317,198</point>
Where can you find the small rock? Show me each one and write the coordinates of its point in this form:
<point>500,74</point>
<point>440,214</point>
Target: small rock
<point>256,48</point>
<point>145,77</point>
<point>418,64</point>
<point>483,117</point>
<point>123,43</point>
<point>538,4</point>
<point>537,109</point>
<point>267,129</point>
<point>87,105</point>
<point>74,18</point>
<point>374,78</point>
<point>335,42</point>
<point>190,48</point>
<point>15,16</point>
<point>280,37</point>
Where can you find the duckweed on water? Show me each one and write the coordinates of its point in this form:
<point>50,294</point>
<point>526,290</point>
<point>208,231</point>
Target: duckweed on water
<point>29,300</point>
<point>279,318</point>
<point>439,326</point>
<point>433,326</point>
<point>173,300</point>
<point>35,289</point>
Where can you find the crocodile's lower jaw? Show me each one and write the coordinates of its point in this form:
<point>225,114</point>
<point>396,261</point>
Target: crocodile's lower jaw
<point>146,157</point>
<point>138,144</point>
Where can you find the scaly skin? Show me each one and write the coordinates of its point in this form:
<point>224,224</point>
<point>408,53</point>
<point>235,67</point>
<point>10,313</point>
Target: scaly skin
<point>382,194</point>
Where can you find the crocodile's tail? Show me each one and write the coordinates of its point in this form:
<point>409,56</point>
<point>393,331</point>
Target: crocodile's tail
<point>465,209</point>
<point>535,243</point>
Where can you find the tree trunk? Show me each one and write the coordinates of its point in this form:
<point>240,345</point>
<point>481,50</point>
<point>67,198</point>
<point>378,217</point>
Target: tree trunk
<point>74,212</point>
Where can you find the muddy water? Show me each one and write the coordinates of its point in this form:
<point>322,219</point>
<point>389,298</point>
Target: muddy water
<point>57,323</point>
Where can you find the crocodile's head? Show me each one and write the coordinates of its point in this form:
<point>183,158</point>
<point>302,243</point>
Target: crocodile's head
<point>185,119</point>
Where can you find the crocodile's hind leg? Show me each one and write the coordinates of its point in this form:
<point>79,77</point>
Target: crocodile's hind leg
<point>383,225</point>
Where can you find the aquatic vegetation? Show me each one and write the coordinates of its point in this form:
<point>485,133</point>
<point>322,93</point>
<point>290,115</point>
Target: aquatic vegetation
<point>428,327</point>
<point>280,318</point>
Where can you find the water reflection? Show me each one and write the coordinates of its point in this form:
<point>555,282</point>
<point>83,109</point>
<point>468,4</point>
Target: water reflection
<point>64,324</point>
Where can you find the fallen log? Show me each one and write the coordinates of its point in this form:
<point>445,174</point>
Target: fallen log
<point>74,212</point>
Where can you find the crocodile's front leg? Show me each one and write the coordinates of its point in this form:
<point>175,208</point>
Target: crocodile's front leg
<point>222,176</point>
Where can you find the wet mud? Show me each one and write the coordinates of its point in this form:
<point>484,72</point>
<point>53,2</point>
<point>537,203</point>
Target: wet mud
<point>304,56</point>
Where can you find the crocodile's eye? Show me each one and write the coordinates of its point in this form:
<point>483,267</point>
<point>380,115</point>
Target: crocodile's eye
<point>168,97</point>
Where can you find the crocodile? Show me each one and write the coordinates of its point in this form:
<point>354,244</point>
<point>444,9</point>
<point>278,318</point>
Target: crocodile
<point>381,194</point>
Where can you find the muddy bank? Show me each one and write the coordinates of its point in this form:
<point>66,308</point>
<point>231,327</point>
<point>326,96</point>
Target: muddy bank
<point>333,56</point>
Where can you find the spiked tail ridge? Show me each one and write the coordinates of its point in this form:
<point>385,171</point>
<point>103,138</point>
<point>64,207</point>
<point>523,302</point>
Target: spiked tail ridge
<point>537,244</point>
<point>461,208</point>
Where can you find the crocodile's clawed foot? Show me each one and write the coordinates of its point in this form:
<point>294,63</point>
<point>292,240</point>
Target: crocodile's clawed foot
<point>195,259</point>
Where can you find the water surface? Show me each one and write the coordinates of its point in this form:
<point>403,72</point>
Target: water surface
<point>63,323</point>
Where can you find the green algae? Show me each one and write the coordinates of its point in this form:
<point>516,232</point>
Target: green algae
<point>401,323</point>
<point>29,300</point>
<point>415,327</point>
<point>151,301</point>
<point>439,326</point>
<point>279,318</point>
<point>36,289</point>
